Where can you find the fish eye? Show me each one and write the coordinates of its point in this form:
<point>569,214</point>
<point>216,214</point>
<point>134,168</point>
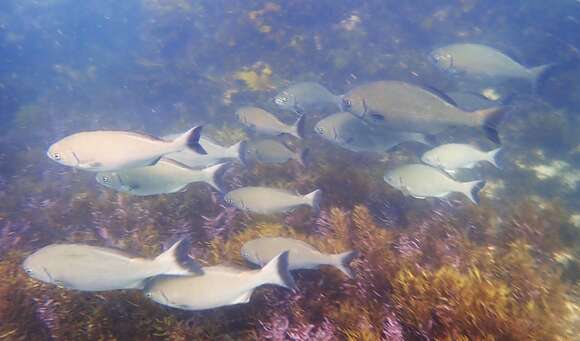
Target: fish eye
<point>148,294</point>
<point>56,156</point>
<point>106,179</point>
<point>346,103</point>
<point>28,271</point>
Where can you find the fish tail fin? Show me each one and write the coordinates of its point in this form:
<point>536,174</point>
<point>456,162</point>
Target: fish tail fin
<point>342,262</point>
<point>243,152</point>
<point>213,175</point>
<point>537,75</point>
<point>313,199</point>
<point>492,156</point>
<point>298,128</point>
<point>489,119</point>
<point>190,139</point>
<point>471,190</point>
<point>277,272</point>
<point>176,260</point>
<point>302,156</point>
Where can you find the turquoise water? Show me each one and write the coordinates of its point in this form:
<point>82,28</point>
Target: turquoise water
<point>161,67</point>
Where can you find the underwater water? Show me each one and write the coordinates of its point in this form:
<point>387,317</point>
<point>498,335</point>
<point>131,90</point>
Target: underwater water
<point>434,268</point>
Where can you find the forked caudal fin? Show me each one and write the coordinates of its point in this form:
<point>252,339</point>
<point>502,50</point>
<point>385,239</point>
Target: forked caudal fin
<point>277,272</point>
<point>313,199</point>
<point>303,157</point>
<point>471,190</point>
<point>342,262</point>
<point>190,139</point>
<point>176,260</point>
<point>492,156</point>
<point>489,119</point>
<point>213,175</point>
<point>298,128</point>
<point>242,151</point>
<point>537,75</point>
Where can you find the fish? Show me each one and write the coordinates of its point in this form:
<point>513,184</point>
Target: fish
<point>214,153</point>
<point>422,181</point>
<point>406,107</point>
<point>265,123</point>
<point>166,176</point>
<point>93,268</point>
<point>302,255</point>
<point>265,200</point>
<point>453,156</point>
<point>218,286</point>
<point>102,151</point>
<point>471,101</point>
<point>484,62</point>
<point>352,133</point>
<point>270,151</point>
<point>306,97</point>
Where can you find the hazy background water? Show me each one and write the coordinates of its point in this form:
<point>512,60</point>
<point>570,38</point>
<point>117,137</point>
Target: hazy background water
<point>160,66</point>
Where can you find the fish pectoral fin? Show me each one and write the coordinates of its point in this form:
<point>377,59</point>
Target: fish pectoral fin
<point>244,298</point>
<point>154,161</point>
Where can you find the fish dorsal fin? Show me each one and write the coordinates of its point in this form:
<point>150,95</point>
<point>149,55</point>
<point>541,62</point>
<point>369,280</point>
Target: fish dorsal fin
<point>243,298</point>
<point>439,94</point>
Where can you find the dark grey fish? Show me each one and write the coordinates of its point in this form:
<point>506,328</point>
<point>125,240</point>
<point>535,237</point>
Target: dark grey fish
<point>405,107</point>
<point>272,151</point>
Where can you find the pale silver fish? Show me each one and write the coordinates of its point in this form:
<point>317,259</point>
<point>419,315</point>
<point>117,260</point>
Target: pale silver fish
<point>92,268</point>
<point>422,181</point>
<point>219,285</point>
<point>214,153</point>
<point>481,61</point>
<point>352,133</point>
<point>453,156</point>
<point>101,151</point>
<point>302,255</point>
<point>405,107</point>
<point>166,176</point>
<point>265,200</point>
<point>471,101</point>
<point>265,123</point>
<point>307,97</point>
<point>273,152</point>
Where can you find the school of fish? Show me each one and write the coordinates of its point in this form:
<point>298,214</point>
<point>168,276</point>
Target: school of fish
<point>374,117</point>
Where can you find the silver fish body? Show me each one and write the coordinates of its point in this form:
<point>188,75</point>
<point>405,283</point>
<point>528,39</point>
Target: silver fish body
<point>301,255</point>
<point>471,101</point>
<point>453,156</point>
<point>265,123</point>
<point>483,62</point>
<point>265,200</point>
<point>422,181</point>
<point>405,107</point>
<point>166,176</point>
<point>91,268</point>
<point>307,97</point>
<point>350,132</point>
<point>215,153</point>
<point>270,151</point>
<point>101,151</point>
<point>218,286</point>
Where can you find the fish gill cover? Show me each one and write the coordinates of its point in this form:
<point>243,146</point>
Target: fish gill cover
<point>441,268</point>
